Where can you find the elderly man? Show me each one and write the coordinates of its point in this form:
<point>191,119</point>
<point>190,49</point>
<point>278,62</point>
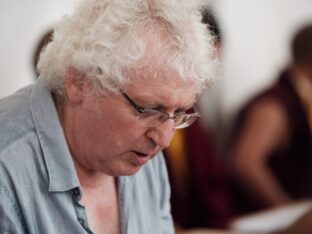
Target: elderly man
<point>80,150</point>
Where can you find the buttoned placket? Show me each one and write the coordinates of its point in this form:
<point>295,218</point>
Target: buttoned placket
<point>80,210</point>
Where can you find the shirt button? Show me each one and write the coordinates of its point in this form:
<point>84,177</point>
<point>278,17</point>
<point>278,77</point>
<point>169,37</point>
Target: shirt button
<point>81,221</point>
<point>76,192</point>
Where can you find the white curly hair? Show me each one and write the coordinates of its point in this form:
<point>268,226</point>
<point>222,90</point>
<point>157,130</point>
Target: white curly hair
<point>104,38</point>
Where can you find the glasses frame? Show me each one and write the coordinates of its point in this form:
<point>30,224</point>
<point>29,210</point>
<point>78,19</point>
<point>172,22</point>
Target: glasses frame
<point>142,110</point>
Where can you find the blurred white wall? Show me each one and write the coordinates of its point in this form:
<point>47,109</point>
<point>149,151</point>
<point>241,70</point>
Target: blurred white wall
<point>22,23</point>
<point>256,37</point>
<point>257,34</point>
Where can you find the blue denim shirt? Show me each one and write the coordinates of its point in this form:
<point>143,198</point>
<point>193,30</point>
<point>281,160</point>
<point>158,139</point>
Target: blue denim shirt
<point>39,187</point>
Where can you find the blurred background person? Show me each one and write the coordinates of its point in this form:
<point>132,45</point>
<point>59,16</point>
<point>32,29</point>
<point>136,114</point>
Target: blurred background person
<point>41,44</point>
<point>200,196</point>
<point>272,144</point>
<point>210,101</point>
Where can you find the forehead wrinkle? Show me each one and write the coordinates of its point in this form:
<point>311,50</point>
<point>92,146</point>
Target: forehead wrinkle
<point>164,97</point>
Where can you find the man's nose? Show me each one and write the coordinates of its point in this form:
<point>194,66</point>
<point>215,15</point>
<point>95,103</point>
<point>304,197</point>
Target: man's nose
<point>163,134</point>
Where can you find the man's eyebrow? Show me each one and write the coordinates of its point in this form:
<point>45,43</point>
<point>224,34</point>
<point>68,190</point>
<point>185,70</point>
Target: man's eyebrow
<point>188,107</point>
<point>145,101</point>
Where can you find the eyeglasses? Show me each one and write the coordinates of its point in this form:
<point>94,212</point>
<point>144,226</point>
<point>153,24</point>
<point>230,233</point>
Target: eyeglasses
<point>153,118</point>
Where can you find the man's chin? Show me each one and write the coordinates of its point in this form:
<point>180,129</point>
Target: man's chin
<point>128,171</point>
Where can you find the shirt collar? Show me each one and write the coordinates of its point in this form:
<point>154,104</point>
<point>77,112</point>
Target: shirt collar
<point>60,166</point>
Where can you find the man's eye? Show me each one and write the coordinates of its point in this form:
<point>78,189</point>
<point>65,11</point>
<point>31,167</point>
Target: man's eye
<point>157,108</point>
<point>184,111</point>
<point>162,117</point>
<point>150,111</point>
<point>179,110</point>
<point>190,110</point>
<point>149,106</point>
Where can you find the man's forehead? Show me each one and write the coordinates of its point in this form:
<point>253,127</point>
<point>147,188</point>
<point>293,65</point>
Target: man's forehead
<point>157,75</point>
<point>163,94</point>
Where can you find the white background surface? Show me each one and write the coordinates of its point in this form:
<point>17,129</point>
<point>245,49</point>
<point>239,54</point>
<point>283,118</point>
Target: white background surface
<point>256,36</point>
<point>22,23</point>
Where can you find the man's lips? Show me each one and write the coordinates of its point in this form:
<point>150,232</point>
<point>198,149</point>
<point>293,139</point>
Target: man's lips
<point>139,158</point>
<point>142,155</point>
<point>146,153</point>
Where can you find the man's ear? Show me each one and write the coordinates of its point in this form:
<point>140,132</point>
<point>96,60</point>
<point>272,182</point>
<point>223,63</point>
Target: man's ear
<point>74,81</point>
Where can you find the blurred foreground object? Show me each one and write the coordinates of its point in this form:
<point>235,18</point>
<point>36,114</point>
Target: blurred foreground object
<point>206,231</point>
<point>280,220</point>
<point>302,226</point>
